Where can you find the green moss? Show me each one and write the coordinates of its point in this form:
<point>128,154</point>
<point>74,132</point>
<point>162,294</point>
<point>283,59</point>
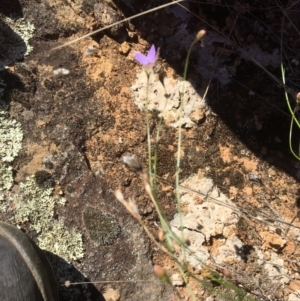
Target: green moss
<point>102,228</point>
<point>36,206</point>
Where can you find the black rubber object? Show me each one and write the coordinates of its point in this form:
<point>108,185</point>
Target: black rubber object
<point>25,273</point>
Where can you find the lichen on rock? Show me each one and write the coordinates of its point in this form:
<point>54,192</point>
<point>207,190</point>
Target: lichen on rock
<point>102,227</point>
<point>64,243</point>
<point>36,205</point>
<point>14,40</point>
<point>6,177</point>
<point>11,137</point>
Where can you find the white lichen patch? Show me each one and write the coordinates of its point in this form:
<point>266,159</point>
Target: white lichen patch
<point>166,99</point>
<point>11,137</point>
<point>62,242</point>
<point>36,206</point>
<point>6,177</point>
<point>33,204</point>
<point>14,40</point>
<point>202,221</point>
<point>3,204</point>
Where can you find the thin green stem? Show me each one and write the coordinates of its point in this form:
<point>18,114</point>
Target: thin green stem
<point>287,98</point>
<point>180,141</point>
<point>290,136</point>
<point>148,129</point>
<point>155,158</point>
<point>181,270</point>
<point>292,111</point>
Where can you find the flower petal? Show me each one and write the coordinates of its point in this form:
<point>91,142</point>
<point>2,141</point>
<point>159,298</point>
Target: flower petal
<point>151,56</point>
<point>142,59</point>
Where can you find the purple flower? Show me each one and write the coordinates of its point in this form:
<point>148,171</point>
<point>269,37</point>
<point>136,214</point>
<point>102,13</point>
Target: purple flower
<point>149,60</point>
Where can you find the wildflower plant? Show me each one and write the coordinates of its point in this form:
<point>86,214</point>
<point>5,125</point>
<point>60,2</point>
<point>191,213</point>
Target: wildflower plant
<point>168,241</point>
<point>149,60</point>
<point>294,119</point>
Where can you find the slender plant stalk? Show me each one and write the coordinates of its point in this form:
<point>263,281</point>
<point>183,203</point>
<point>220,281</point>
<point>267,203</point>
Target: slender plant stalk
<point>148,129</point>
<point>292,111</point>
<point>291,132</point>
<point>182,272</point>
<point>180,141</point>
<point>155,158</point>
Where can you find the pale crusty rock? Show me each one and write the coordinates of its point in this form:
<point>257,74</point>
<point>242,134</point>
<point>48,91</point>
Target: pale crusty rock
<point>177,280</point>
<point>294,296</point>
<point>274,266</point>
<point>203,221</point>
<point>165,98</point>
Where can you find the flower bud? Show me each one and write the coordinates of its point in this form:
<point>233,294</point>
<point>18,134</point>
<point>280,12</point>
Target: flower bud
<point>161,273</point>
<point>161,235</point>
<point>68,283</point>
<point>133,208</point>
<point>201,33</point>
<point>176,246</point>
<point>119,195</point>
<point>298,98</point>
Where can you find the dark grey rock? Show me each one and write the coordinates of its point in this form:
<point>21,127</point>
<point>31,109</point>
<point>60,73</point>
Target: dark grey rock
<point>105,15</point>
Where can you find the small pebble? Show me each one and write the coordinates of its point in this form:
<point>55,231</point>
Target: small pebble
<point>177,280</point>
<point>124,48</point>
<point>197,116</point>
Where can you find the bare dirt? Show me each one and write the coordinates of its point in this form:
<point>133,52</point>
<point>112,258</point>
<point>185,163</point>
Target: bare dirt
<point>77,128</point>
